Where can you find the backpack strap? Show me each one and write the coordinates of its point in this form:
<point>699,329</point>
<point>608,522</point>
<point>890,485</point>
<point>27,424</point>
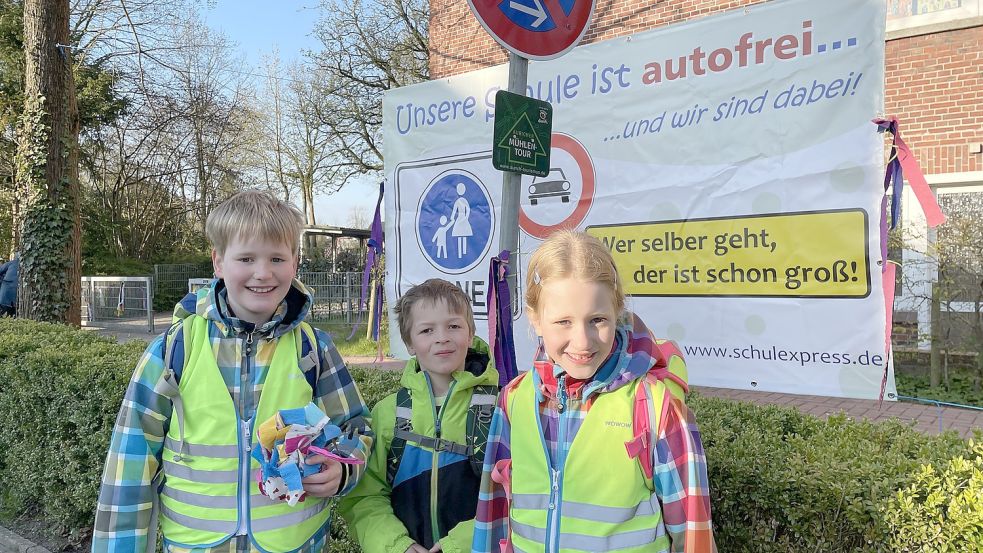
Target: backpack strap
<point>309,354</point>
<point>308,348</point>
<point>644,422</point>
<point>175,354</point>
<point>480,412</point>
<point>403,425</point>
<point>669,369</point>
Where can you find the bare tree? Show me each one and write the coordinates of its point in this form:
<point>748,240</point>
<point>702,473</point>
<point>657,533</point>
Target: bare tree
<point>272,124</point>
<point>369,47</point>
<point>297,149</point>
<point>943,277</point>
<point>134,208</point>
<point>358,217</point>
<point>208,92</point>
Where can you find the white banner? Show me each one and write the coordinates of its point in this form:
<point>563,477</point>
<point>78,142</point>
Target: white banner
<point>729,163</point>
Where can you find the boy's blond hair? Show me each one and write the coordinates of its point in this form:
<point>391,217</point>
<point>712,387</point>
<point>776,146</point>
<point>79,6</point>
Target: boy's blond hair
<point>572,254</point>
<point>432,290</point>
<point>256,214</point>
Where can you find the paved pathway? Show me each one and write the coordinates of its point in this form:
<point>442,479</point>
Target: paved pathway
<point>930,419</point>
<point>12,543</point>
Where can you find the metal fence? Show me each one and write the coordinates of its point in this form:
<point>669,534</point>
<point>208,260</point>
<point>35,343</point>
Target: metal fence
<point>336,295</point>
<point>171,281</point>
<point>109,300</point>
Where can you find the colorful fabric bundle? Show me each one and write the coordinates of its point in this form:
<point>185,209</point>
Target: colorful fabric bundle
<point>286,440</point>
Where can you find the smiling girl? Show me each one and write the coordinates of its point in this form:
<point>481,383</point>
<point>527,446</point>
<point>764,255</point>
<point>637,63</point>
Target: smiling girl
<point>567,468</point>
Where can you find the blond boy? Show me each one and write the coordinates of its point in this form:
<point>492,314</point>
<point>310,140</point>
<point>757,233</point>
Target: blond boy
<point>234,357</point>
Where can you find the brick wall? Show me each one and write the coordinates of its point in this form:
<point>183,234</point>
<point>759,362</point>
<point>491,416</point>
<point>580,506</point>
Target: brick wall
<point>935,87</point>
<point>934,83</point>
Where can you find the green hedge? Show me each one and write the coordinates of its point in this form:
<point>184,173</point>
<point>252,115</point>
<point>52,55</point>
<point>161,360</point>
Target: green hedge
<point>781,481</point>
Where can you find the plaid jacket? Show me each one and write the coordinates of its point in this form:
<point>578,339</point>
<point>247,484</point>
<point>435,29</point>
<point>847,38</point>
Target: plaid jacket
<point>680,472</point>
<point>126,494</point>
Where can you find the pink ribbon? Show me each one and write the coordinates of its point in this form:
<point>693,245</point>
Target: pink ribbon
<point>909,169</point>
<point>912,172</point>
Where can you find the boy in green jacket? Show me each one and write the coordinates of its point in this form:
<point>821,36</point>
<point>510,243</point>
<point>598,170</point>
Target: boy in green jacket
<point>420,488</point>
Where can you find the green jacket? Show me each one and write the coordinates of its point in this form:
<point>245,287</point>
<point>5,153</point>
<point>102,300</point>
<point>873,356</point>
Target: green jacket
<point>388,519</point>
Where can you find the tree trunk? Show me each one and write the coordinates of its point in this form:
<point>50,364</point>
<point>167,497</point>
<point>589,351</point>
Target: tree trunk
<point>978,379</point>
<point>307,194</point>
<point>935,356</point>
<point>978,335</point>
<point>47,170</point>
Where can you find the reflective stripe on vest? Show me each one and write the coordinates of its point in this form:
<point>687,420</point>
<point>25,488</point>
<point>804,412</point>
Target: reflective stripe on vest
<point>600,500</point>
<point>202,495</point>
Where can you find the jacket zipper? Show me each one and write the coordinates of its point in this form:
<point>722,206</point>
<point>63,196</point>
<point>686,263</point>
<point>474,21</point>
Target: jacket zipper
<point>556,471</point>
<point>435,460</point>
<point>246,440</point>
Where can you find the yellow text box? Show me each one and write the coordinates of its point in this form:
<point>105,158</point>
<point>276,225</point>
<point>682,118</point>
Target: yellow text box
<point>821,254</point>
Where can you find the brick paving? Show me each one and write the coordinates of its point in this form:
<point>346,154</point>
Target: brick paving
<point>931,419</point>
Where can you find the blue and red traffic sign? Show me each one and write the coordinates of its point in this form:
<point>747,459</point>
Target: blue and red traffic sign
<point>535,29</point>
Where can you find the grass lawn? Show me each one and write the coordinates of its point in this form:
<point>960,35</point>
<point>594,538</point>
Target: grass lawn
<point>359,345</point>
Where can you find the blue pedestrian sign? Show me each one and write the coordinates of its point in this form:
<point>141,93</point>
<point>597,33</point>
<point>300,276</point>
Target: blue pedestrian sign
<point>455,222</point>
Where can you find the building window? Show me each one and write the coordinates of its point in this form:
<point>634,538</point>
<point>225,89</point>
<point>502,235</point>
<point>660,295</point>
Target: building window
<point>960,252</point>
<point>960,244</point>
<point>911,14</point>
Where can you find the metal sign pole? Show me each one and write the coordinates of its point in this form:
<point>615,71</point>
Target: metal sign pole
<point>508,237</point>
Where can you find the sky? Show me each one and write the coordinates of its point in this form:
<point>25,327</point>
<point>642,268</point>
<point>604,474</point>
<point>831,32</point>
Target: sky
<point>259,26</point>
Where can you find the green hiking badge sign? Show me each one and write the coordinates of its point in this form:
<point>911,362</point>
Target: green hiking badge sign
<point>522,134</point>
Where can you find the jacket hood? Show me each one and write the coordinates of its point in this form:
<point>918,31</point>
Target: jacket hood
<point>636,353</point>
<point>479,370</point>
<point>206,303</point>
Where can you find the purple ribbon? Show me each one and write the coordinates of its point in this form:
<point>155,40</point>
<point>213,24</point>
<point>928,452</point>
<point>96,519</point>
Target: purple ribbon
<point>893,181</point>
<point>500,319</point>
<point>374,251</point>
<point>893,175</point>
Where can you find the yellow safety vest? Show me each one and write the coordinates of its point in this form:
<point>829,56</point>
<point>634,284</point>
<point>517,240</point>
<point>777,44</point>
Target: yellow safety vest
<point>598,499</point>
<point>210,492</point>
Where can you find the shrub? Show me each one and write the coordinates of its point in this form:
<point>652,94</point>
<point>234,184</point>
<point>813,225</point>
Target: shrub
<point>784,481</point>
<point>104,265</point>
<point>942,509</point>
<point>780,481</point>
<point>375,384</point>
<point>59,392</point>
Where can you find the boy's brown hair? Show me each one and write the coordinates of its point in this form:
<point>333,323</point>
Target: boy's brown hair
<point>254,213</point>
<point>432,290</point>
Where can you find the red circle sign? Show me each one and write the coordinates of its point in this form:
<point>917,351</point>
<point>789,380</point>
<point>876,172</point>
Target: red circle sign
<point>535,29</point>
<point>576,150</point>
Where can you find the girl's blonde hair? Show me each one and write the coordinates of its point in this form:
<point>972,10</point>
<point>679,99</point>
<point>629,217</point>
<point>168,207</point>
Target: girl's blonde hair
<point>572,254</point>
